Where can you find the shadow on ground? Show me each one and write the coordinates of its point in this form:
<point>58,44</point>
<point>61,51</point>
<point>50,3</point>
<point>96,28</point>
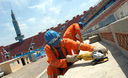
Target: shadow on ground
<point>81,64</point>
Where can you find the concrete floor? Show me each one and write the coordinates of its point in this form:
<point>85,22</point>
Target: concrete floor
<point>30,71</point>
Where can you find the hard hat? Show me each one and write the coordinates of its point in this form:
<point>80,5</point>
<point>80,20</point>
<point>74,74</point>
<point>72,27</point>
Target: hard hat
<point>52,37</point>
<point>81,24</point>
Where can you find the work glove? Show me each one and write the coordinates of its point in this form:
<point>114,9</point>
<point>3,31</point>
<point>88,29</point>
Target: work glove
<point>103,50</point>
<point>71,58</point>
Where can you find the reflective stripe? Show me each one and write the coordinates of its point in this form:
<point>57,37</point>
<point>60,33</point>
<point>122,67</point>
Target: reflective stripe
<point>53,62</point>
<point>53,75</point>
<point>79,46</point>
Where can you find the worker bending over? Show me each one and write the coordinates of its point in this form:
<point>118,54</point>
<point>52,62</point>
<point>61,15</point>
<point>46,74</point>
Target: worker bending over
<point>59,55</point>
<point>74,32</point>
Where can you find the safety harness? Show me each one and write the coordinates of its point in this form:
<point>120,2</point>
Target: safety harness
<point>61,56</point>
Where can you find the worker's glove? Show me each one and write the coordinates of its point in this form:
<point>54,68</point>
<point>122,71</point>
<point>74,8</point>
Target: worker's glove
<point>71,58</point>
<point>103,50</point>
<point>97,55</point>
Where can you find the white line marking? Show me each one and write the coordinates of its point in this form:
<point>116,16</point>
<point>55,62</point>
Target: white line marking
<point>41,73</point>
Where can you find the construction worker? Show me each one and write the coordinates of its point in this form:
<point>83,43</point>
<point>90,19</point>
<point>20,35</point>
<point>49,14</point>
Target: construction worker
<point>58,52</point>
<point>74,32</point>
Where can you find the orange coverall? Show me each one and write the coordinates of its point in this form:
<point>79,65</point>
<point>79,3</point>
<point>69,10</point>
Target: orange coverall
<point>72,31</point>
<point>55,63</point>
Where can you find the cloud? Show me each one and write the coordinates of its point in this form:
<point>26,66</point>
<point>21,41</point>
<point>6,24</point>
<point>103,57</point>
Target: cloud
<point>2,11</point>
<point>7,34</point>
<point>90,3</point>
<point>39,6</point>
<point>31,20</point>
<point>49,21</point>
<point>8,26</point>
<point>24,26</point>
<point>17,3</point>
<point>43,5</point>
<point>84,5</point>
<point>71,14</point>
<point>93,2</point>
<point>56,10</point>
<point>47,5</point>
<point>4,41</point>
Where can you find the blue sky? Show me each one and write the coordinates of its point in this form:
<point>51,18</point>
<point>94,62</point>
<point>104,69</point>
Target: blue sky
<point>35,16</point>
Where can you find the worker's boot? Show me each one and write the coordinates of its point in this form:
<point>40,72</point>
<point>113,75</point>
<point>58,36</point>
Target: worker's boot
<point>101,60</point>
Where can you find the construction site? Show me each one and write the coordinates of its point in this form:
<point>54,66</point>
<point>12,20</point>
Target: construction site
<point>104,25</point>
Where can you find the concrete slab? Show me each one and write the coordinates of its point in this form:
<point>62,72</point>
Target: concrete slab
<point>116,67</point>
